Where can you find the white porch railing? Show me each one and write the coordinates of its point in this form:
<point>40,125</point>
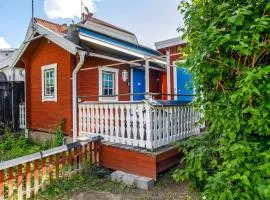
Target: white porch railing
<point>138,124</point>
<point>22,116</point>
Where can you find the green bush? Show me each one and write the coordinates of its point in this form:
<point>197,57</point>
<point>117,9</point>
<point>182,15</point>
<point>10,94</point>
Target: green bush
<point>12,147</point>
<point>59,136</point>
<point>228,54</point>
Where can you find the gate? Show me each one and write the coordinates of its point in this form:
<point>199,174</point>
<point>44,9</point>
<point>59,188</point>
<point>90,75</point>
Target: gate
<point>11,95</point>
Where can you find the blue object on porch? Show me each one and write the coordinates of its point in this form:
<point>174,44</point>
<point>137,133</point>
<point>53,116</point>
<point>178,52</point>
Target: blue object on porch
<point>184,85</point>
<point>138,84</point>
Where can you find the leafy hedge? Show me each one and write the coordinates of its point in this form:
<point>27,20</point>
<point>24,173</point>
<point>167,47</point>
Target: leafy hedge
<point>228,54</point>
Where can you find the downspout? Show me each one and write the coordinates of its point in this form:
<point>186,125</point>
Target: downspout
<point>74,93</point>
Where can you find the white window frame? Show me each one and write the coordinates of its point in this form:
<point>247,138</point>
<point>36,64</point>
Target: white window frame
<point>43,69</point>
<point>113,70</point>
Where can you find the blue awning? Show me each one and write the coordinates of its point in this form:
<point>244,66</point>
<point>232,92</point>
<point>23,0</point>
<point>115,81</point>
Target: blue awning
<point>120,43</point>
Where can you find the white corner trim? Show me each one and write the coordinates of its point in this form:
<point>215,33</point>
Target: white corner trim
<point>43,68</point>
<point>175,79</point>
<point>108,69</point>
<point>131,83</point>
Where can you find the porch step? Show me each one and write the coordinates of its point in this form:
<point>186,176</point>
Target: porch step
<point>140,182</point>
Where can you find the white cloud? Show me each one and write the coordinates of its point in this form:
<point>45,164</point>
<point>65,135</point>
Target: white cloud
<point>66,8</point>
<point>4,44</point>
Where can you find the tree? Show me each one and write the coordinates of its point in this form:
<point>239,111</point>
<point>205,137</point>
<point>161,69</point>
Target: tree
<point>228,54</point>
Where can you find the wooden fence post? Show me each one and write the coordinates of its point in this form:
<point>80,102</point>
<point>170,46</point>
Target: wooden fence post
<point>2,184</point>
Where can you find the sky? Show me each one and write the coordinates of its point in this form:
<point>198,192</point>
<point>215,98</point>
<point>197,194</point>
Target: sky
<point>150,20</point>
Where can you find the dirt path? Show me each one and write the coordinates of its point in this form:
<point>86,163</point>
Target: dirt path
<point>162,191</point>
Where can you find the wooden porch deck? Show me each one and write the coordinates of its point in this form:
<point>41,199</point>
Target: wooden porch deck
<point>138,161</point>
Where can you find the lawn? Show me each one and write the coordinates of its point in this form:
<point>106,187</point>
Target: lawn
<point>84,187</point>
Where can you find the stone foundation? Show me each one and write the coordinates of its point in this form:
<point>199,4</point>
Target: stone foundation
<point>41,137</point>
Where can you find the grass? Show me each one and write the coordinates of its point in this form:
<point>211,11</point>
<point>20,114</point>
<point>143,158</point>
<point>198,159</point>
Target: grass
<point>81,183</point>
<point>165,188</point>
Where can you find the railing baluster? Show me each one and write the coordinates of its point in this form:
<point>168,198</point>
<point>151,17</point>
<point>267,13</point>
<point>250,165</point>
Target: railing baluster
<point>97,118</point>
<point>111,137</point>
<point>128,119</point>
<point>106,123</point>
<point>122,126</point>
<point>117,132</point>
<point>141,125</point>
<point>134,125</point>
<point>101,120</point>
<point>149,131</point>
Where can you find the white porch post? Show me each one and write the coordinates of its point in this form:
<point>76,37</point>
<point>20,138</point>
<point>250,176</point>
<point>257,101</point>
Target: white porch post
<point>147,90</point>
<point>168,74</point>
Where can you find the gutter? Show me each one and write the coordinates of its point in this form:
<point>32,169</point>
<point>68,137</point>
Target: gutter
<point>74,93</point>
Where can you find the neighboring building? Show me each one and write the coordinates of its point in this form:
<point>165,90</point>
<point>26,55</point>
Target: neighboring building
<point>6,56</point>
<point>179,80</point>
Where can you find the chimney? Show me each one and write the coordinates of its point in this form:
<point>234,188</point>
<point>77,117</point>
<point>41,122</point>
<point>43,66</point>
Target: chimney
<point>73,34</point>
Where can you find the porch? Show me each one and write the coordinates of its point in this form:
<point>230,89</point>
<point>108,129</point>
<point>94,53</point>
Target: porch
<point>148,124</point>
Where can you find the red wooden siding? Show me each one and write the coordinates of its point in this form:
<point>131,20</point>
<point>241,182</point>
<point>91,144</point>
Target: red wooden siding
<point>88,84</point>
<point>139,163</point>
<point>44,116</point>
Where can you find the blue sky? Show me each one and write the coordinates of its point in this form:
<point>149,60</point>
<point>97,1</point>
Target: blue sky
<point>150,20</point>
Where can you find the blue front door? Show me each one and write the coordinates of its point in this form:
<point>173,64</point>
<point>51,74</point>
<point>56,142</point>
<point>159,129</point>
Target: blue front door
<point>138,84</point>
<point>184,85</point>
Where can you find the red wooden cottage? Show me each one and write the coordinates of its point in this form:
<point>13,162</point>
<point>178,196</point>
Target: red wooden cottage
<point>99,80</point>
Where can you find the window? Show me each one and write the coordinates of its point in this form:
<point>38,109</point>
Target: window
<point>108,83</point>
<point>49,83</point>
<point>108,79</point>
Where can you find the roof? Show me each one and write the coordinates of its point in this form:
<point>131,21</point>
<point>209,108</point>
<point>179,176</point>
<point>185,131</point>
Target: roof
<point>100,36</point>
<point>169,43</point>
<point>130,46</point>
<point>57,33</point>
<point>98,21</point>
<point>52,26</point>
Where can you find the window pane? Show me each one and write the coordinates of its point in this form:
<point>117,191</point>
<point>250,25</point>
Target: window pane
<point>49,82</point>
<point>108,83</point>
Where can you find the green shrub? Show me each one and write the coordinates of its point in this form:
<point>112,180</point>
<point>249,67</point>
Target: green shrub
<point>228,54</point>
<point>59,136</point>
<point>199,161</point>
<point>16,146</point>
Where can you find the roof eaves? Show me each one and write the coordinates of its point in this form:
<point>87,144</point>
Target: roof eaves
<point>49,34</point>
<point>169,43</point>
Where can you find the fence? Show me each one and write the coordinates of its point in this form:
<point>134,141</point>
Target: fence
<point>138,124</point>
<point>25,176</point>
